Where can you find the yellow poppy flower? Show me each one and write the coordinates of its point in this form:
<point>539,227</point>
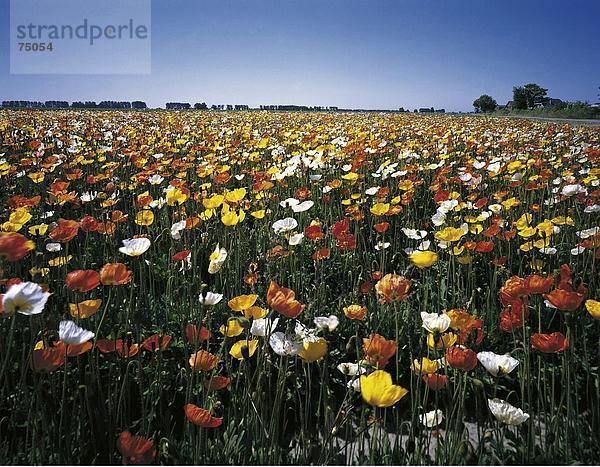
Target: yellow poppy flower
<point>377,389</point>
<point>233,328</point>
<point>450,234</point>
<point>85,309</point>
<point>380,209</point>
<point>313,351</point>
<point>255,312</point>
<point>242,302</point>
<point>243,349</point>
<point>144,218</point>
<point>423,259</point>
<point>443,342</point>
<point>425,366</point>
<point>593,308</point>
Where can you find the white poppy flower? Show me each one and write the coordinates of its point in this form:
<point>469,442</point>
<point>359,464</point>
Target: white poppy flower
<point>303,206</point>
<point>372,191</point>
<point>583,234</point>
<point>289,202</point>
<point>155,179</point>
<point>351,369</point>
<point>327,322</point>
<point>263,326</point>
<point>296,239</point>
<point>176,229</point>
<point>217,259</point>
<point>570,190</point>
<point>433,418</point>
<point>52,247</point>
<point>285,345</point>
<point>506,413</point>
<point>70,333</point>
<point>315,177</point>
<point>414,234</point>
<point>577,250</point>
<point>592,208</point>
<point>135,246</point>
<point>434,322</point>
<point>210,298</point>
<point>354,384</point>
<point>27,298</point>
<point>497,364</point>
<point>305,333</point>
<point>382,245</point>
<point>285,225</point>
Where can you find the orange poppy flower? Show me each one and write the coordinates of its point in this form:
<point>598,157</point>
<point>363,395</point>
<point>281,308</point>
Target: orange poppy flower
<point>201,417</point>
<point>355,312</point>
<point>74,350</point>
<point>463,359</point>
<point>115,274</point>
<point>65,231</point>
<point>513,289</point>
<point>83,281</point>
<point>14,246</point>
<point>48,359</point>
<point>283,300</point>
<point>135,449</point>
<point>217,383</point>
<point>535,284</point>
<point>378,350</point>
<point>203,361</point>
<point>123,348</point>
<point>565,300</point>
<point>321,254</point>
<point>549,343</point>
<point>392,288</point>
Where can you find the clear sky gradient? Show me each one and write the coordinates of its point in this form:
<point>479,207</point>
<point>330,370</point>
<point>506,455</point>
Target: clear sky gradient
<point>348,53</point>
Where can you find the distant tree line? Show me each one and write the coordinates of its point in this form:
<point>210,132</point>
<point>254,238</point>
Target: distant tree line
<point>74,105</point>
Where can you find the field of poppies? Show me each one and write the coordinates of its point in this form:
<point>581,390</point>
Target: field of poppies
<point>297,288</point>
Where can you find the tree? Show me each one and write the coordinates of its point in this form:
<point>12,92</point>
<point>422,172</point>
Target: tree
<point>519,98</point>
<point>535,95</point>
<point>485,103</point>
<point>528,96</point>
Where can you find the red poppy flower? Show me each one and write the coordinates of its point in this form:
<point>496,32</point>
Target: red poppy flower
<point>156,342</point>
<point>65,231</point>
<point>463,359</point>
<point>135,449</point>
<point>346,241</point>
<point>382,227</point>
<point>314,232</point>
<point>83,281</point>
<point>196,336</point>
<point>216,383</point>
<point>201,417</point>
<point>435,381</point>
<point>549,343</point>
<point>88,224</point>
<point>181,255</point>
<point>340,227</point>
<point>14,246</point>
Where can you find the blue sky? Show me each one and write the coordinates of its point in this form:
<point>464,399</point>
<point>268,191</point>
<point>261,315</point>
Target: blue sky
<point>348,53</point>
